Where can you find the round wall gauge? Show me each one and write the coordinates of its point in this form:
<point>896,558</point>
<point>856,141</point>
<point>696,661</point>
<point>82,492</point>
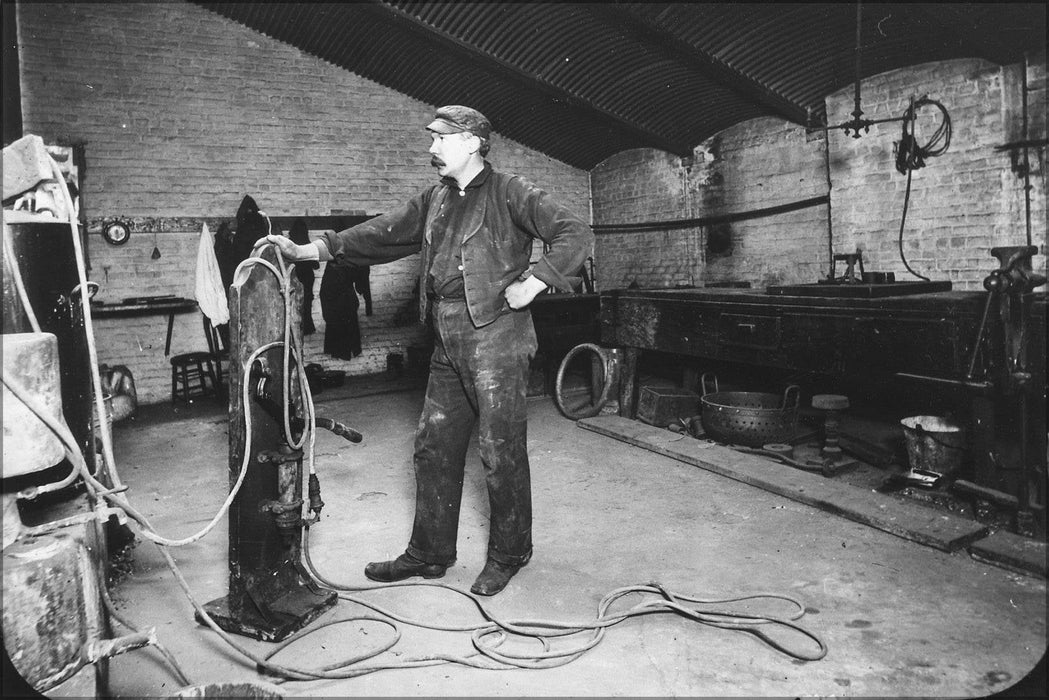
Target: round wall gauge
<point>116,232</point>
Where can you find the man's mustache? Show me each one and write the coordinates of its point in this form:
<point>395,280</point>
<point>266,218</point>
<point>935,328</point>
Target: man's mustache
<point>436,162</point>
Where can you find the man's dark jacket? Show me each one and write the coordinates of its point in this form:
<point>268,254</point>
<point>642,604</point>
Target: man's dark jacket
<point>496,239</point>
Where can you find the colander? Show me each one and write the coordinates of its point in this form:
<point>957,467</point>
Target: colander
<point>749,418</point>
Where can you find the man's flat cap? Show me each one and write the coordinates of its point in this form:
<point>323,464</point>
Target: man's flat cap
<point>454,119</point>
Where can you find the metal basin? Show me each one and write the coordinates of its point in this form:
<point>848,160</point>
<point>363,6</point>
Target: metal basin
<point>748,418</point>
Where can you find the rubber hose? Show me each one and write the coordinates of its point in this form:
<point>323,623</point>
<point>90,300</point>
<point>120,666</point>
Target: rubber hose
<point>606,390</point>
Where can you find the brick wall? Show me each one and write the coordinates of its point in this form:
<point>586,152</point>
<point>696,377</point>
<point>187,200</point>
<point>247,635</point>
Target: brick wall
<point>182,113</point>
<point>755,165</point>
<point>637,186</point>
<point>962,203</point>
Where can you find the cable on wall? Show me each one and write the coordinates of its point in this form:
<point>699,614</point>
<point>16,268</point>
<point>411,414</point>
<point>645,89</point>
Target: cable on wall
<point>911,156</point>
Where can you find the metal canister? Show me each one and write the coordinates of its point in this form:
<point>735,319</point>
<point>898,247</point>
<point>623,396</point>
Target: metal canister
<point>51,607</point>
<point>31,362</point>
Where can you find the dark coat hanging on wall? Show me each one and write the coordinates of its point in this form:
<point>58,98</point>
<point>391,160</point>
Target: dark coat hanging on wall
<point>340,285</point>
<point>360,277</point>
<point>251,226</point>
<point>234,247</point>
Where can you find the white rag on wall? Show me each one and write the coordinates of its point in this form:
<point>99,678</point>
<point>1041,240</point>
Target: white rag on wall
<point>209,291</point>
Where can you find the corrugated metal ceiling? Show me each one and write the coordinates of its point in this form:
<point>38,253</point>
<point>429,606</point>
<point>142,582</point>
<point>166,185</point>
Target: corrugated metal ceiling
<point>581,82</point>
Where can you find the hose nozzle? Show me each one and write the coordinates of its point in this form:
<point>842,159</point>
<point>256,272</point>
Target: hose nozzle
<point>315,495</point>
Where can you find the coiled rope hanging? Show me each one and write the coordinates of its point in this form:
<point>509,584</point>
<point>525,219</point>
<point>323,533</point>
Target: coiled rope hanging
<point>910,156</point>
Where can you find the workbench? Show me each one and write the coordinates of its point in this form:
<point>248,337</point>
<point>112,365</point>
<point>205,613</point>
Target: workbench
<point>147,306</point>
<point>924,341</point>
<point>925,333</point>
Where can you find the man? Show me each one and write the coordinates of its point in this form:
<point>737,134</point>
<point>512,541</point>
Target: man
<point>475,231</point>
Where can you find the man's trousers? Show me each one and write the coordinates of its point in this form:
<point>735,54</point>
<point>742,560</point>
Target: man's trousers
<point>478,376</point>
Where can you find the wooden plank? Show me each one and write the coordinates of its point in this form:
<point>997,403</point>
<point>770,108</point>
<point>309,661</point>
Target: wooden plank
<point>1010,551</point>
<point>914,522</point>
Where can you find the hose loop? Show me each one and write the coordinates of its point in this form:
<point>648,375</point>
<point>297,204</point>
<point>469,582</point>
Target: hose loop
<point>610,361</point>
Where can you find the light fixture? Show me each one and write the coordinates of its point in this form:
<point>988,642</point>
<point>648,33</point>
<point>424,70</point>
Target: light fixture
<point>857,122</point>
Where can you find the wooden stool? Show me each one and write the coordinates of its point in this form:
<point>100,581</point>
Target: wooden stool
<point>193,376</point>
<point>832,405</point>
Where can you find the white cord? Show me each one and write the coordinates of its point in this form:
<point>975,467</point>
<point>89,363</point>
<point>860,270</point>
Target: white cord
<point>105,427</point>
<point>9,257</point>
<point>291,349</point>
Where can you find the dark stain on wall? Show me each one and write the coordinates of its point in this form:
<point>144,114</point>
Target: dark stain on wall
<point>719,240</point>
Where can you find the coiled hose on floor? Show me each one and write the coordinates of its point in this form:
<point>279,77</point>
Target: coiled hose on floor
<point>610,361</point>
<point>553,643</point>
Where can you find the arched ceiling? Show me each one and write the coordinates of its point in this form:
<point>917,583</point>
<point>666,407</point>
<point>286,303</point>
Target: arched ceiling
<point>583,81</point>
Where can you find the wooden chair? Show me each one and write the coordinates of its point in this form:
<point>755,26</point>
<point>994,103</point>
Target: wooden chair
<point>218,349</point>
<point>199,374</point>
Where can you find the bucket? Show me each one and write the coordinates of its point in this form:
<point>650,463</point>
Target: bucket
<point>934,444</point>
<point>315,378</point>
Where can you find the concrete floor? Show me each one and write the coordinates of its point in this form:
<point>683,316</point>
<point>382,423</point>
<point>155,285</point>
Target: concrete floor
<point>898,618</point>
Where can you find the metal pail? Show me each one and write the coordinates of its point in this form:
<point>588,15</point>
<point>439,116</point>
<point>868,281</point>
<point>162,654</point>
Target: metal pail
<point>934,444</point>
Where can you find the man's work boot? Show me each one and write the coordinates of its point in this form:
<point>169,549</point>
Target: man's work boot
<point>404,566</point>
<point>494,577</point>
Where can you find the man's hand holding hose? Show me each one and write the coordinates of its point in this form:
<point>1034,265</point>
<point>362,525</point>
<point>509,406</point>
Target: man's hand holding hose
<point>316,251</point>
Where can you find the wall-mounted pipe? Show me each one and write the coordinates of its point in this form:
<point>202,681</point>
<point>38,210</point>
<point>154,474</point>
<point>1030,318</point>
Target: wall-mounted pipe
<point>711,220</point>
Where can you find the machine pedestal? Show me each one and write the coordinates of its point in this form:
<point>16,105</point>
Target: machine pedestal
<point>272,609</point>
<point>270,595</point>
